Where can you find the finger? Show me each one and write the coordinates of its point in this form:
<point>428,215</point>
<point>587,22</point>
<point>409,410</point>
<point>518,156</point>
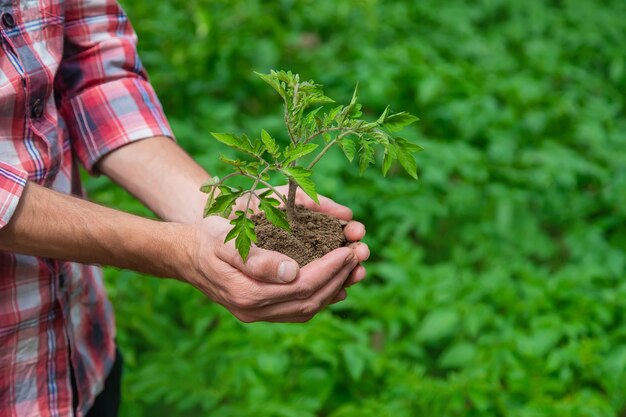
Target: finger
<point>261,264</point>
<point>341,295</point>
<point>310,306</point>
<point>357,275</point>
<point>354,231</point>
<point>361,250</point>
<point>326,206</point>
<point>311,278</point>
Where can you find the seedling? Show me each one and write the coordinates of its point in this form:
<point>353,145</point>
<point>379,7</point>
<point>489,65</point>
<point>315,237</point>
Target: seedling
<point>309,118</point>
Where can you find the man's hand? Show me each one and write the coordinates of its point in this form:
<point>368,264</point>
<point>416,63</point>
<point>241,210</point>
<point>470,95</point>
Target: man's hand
<point>269,286</point>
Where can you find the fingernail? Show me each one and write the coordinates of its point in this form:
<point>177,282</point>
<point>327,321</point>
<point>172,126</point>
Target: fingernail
<point>287,271</point>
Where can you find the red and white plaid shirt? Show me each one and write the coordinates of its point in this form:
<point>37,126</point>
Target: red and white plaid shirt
<point>72,89</point>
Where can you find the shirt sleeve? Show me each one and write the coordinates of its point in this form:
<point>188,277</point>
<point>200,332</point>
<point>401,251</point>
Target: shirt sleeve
<point>12,183</point>
<point>102,88</point>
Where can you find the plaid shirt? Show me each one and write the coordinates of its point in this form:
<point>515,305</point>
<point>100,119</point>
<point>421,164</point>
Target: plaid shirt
<point>71,89</point>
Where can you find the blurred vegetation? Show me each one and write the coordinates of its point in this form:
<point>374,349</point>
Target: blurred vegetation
<point>497,283</point>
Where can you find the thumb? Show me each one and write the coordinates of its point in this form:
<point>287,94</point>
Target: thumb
<point>262,265</point>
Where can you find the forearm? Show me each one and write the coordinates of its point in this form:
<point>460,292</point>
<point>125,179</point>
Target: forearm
<point>161,175</point>
<point>53,225</point>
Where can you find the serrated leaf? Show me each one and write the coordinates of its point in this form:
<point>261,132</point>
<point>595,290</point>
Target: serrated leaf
<point>355,95</point>
<point>356,111</point>
<point>272,80</point>
<point>301,177</point>
<point>251,169</point>
<point>238,142</point>
<point>399,121</point>
<point>366,156</point>
<point>210,201</point>
<point>234,162</point>
<point>277,217</point>
<point>381,119</point>
<point>405,156</point>
<point>208,185</point>
<point>223,204</point>
<point>293,153</point>
<point>390,156</point>
<point>332,115</point>
<point>409,146</point>
<point>270,144</point>
<point>258,147</point>
<point>312,121</point>
<point>348,147</point>
<point>243,233</point>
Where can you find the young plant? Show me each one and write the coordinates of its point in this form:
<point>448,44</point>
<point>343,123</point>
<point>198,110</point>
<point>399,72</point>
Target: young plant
<point>308,118</point>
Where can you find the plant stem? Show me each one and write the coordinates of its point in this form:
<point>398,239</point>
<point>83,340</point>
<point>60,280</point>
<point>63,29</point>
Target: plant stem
<point>293,140</point>
<point>291,200</point>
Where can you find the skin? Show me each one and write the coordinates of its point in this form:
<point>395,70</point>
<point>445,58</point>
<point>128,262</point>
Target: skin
<point>268,287</point>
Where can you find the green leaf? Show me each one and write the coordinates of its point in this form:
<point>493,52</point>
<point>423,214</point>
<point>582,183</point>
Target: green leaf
<point>390,155</point>
<point>293,153</point>
<point>382,118</point>
<point>222,205</point>
<point>437,324</point>
<point>273,81</point>
<point>301,177</point>
<point>238,142</point>
<point>399,121</point>
<point>208,185</point>
<point>269,205</point>
<point>404,152</point>
<point>348,147</point>
<point>332,115</point>
<point>355,95</point>
<point>210,201</point>
<point>355,358</point>
<point>458,356</point>
<point>366,156</point>
<point>258,148</point>
<point>234,162</point>
<point>243,233</point>
<point>409,146</point>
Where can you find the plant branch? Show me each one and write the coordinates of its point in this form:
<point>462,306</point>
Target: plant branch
<point>225,177</point>
<point>251,191</point>
<point>268,185</point>
<point>321,132</point>
<point>321,154</point>
<point>328,146</point>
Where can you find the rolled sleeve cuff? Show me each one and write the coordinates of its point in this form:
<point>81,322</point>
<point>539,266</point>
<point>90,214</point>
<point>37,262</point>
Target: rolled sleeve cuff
<point>12,183</point>
<point>108,116</point>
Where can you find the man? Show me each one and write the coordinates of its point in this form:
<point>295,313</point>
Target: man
<point>72,90</point>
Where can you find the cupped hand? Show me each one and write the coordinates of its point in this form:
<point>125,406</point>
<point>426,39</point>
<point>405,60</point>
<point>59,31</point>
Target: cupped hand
<point>354,230</point>
<point>269,286</point>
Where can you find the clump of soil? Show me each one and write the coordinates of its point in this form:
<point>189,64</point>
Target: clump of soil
<point>312,235</point>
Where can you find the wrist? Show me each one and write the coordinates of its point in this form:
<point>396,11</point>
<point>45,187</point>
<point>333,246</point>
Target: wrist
<point>176,256</point>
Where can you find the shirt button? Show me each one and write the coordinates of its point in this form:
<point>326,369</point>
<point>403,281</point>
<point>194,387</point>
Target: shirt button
<point>36,111</point>
<point>8,21</point>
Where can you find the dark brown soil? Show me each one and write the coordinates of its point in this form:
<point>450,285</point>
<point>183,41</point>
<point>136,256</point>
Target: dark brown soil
<point>312,235</point>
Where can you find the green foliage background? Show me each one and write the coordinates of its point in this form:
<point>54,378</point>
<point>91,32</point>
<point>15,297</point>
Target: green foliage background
<point>496,285</point>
